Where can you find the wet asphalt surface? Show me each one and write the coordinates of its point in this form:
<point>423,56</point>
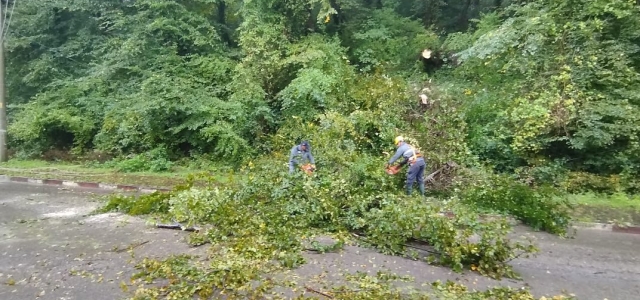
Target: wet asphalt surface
<point>52,248</point>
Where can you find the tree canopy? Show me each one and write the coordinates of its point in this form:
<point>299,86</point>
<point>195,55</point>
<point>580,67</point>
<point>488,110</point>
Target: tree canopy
<point>528,86</point>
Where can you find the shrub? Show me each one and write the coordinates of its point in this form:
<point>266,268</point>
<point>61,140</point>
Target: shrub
<point>156,160</point>
<point>542,208</point>
<point>580,182</point>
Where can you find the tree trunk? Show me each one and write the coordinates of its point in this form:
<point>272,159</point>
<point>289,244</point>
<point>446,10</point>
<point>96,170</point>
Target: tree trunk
<point>311,19</point>
<point>338,17</point>
<point>222,7</point>
<point>464,16</point>
<point>222,19</point>
<point>4,156</point>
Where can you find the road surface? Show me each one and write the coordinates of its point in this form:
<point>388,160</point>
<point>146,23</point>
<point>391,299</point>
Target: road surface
<point>51,248</point>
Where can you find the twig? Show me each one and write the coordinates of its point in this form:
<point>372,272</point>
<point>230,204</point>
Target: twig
<point>521,254</point>
<point>317,292</point>
<point>131,247</point>
<point>423,249</point>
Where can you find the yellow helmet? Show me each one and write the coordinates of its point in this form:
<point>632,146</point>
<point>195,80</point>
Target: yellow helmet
<point>398,139</point>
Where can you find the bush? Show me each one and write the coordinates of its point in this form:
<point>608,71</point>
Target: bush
<point>41,127</point>
<point>581,182</point>
<point>156,160</point>
<point>543,208</point>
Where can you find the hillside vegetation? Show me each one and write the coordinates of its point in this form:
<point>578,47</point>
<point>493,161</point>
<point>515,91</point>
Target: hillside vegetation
<point>543,89</point>
<point>516,103</point>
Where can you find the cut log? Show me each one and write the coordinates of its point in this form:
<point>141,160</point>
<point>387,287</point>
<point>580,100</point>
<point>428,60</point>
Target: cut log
<point>426,53</point>
<point>424,99</point>
<point>431,60</point>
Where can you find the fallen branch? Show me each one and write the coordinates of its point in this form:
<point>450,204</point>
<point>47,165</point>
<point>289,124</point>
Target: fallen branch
<point>131,247</point>
<point>422,249</point>
<point>317,292</point>
<point>430,177</point>
<point>177,225</point>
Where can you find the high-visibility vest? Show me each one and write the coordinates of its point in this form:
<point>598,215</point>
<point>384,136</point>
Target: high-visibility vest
<point>415,155</point>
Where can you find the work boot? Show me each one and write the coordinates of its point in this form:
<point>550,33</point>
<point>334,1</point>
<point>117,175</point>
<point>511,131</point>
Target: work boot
<point>421,185</point>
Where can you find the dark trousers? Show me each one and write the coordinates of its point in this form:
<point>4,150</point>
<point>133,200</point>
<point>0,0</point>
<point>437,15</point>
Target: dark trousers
<point>416,173</point>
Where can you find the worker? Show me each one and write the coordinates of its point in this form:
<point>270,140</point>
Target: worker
<point>414,159</point>
<point>298,154</point>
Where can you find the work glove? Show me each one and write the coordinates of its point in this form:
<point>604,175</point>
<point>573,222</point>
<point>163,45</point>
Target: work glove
<point>386,165</point>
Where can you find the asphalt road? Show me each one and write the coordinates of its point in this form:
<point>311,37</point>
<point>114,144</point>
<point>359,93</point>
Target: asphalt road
<point>50,248</point>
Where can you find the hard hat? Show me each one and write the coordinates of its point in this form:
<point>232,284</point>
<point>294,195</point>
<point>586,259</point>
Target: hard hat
<point>398,139</point>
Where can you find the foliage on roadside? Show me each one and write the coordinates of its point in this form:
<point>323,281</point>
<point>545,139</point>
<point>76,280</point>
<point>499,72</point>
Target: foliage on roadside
<point>452,290</point>
<point>191,278</point>
<point>156,203</point>
<point>542,208</point>
<point>258,226</point>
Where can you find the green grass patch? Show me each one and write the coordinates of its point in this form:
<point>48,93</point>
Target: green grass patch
<point>606,208</point>
<point>105,173</point>
<point>617,200</point>
<point>32,163</point>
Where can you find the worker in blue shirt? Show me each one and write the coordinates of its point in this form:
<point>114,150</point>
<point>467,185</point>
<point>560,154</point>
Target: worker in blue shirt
<point>298,154</point>
<point>414,159</point>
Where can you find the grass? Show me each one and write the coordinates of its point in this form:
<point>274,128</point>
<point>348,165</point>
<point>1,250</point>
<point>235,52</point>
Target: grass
<point>61,170</point>
<point>618,200</point>
<point>604,208</point>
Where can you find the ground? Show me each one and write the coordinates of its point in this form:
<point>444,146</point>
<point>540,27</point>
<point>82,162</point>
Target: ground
<point>51,247</point>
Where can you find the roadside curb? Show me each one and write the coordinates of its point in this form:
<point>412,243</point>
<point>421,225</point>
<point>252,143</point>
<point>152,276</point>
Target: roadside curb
<point>631,229</point>
<point>82,184</point>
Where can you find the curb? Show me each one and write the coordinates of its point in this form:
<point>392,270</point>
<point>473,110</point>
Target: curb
<point>93,185</point>
<point>631,229</point>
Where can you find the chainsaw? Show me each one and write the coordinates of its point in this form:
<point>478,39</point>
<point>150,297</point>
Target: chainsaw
<point>393,170</point>
<point>308,168</point>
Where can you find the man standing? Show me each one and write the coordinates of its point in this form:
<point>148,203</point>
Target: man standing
<point>298,154</point>
<point>414,159</point>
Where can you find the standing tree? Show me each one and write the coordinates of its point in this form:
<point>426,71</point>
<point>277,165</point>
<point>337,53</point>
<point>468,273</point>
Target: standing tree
<point>4,30</point>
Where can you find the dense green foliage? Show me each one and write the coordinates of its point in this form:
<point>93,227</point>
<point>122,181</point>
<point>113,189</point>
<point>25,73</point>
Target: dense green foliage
<point>554,87</point>
<point>543,208</point>
<point>543,92</point>
<point>538,88</point>
<point>542,87</point>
